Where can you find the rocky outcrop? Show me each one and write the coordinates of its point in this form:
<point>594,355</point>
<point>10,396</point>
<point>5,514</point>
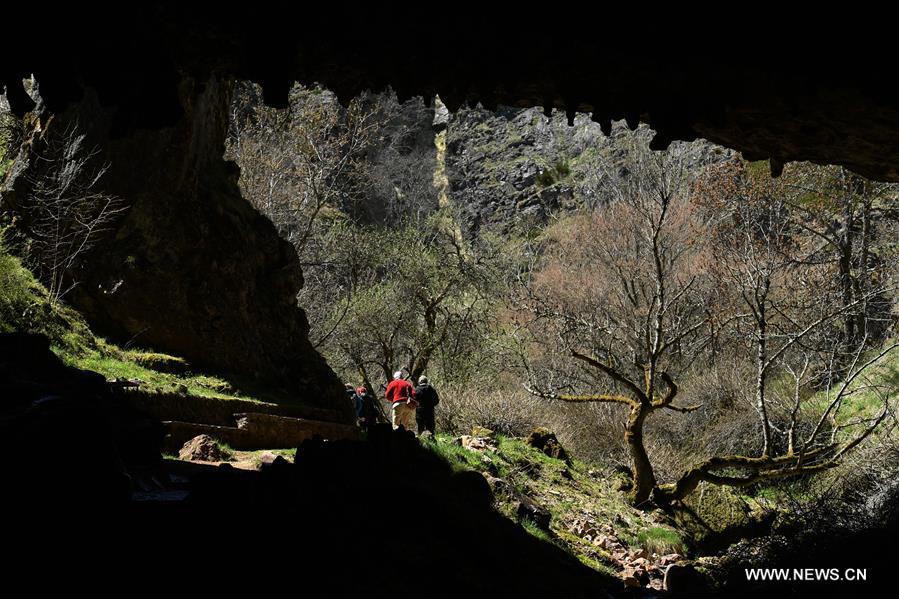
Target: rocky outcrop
<point>190,268</point>
<point>545,441</point>
<point>531,511</point>
<point>511,169</point>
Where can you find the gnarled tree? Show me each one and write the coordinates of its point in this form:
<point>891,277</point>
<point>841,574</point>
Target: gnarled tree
<point>639,293</point>
<point>623,292</point>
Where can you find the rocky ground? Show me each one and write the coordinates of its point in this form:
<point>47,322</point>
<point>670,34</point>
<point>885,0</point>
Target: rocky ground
<point>203,449</point>
<point>569,503</point>
<point>556,499</point>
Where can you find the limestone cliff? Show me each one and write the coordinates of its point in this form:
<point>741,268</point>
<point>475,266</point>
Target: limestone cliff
<point>190,268</point>
<point>511,169</point>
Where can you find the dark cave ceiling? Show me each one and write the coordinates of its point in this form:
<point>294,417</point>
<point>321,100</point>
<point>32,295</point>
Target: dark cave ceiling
<point>818,86</point>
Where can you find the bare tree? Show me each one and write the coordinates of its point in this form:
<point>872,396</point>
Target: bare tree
<point>624,295</point>
<point>787,308</point>
<point>637,293</point>
<point>65,212</point>
<point>840,213</point>
<point>297,162</point>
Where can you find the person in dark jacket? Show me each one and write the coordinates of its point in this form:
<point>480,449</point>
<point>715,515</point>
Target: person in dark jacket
<point>427,400</point>
<point>366,411</point>
<point>354,398</point>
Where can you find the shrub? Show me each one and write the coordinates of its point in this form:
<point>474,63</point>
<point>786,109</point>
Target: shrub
<point>510,413</point>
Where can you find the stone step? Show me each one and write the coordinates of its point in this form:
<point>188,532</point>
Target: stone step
<point>257,430</point>
<point>213,410</point>
<point>275,431</point>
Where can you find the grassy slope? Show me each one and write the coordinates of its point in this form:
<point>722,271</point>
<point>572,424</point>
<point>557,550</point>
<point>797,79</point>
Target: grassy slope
<point>24,307</point>
<point>863,403</point>
<point>570,492</point>
<point>865,399</point>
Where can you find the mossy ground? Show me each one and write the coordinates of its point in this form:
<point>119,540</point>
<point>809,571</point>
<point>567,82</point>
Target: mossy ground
<point>26,307</point>
<point>569,491</point>
<point>866,394</point>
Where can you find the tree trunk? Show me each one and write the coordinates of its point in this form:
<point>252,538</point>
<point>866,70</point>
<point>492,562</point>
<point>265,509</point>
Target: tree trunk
<point>845,239</point>
<point>861,279</point>
<point>761,376</point>
<point>644,476</point>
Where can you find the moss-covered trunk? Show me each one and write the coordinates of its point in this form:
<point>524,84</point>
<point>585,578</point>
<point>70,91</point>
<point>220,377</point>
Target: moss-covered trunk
<point>644,476</point>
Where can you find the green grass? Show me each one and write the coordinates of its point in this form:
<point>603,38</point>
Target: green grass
<point>113,362</point>
<point>865,399</point>
<point>226,448</point>
<point>25,307</point>
<point>256,456</point>
<point>568,491</point>
<point>457,456</point>
<point>661,540</point>
<point>536,531</point>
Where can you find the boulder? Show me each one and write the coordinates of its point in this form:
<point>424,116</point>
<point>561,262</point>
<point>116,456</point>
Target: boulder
<point>476,443</point>
<point>441,116</point>
<point>636,574</point>
<point>684,579</point>
<point>203,448</point>
<point>670,558</point>
<point>528,509</point>
<point>546,441</point>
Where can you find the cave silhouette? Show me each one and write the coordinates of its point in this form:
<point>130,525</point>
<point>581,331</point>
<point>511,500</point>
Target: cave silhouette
<point>765,83</point>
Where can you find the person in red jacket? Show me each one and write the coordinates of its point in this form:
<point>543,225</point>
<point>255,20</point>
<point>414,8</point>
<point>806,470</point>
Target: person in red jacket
<point>401,395</point>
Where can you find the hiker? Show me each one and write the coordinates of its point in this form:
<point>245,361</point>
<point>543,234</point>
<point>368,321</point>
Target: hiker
<point>427,399</point>
<point>401,396</point>
<point>366,412</point>
<point>351,395</point>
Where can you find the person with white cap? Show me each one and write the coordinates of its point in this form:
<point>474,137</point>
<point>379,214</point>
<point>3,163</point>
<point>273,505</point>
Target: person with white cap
<point>401,396</point>
<point>427,398</point>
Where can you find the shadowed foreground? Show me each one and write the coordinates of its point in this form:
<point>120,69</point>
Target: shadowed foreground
<point>380,517</point>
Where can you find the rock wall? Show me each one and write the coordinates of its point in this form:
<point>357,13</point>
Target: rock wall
<point>510,169</point>
<point>191,268</point>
